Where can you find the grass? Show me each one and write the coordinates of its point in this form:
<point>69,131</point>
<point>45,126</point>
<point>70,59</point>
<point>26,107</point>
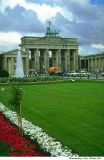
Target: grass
<point>73,113</point>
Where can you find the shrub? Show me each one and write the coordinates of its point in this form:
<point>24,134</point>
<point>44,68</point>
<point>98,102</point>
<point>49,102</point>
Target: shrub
<point>3,150</point>
<point>4,73</point>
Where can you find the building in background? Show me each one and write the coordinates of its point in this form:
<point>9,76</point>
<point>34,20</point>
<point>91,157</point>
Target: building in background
<point>92,63</point>
<point>8,61</point>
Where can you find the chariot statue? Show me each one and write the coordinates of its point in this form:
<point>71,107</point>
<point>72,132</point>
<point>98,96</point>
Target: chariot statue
<point>49,31</point>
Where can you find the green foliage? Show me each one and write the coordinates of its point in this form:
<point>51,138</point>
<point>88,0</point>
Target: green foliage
<point>3,151</point>
<point>15,101</point>
<point>4,73</point>
<point>31,79</point>
<point>16,97</point>
<point>3,80</point>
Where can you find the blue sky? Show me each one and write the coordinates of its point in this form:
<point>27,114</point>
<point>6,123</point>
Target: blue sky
<point>82,19</point>
<point>97,2</point>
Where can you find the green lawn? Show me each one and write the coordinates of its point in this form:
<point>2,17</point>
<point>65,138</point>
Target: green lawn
<point>73,113</point>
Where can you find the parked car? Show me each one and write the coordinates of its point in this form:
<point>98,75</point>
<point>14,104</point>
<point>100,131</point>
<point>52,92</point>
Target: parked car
<point>84,73</point>
<point>102,74</point>
<point>74,74</point>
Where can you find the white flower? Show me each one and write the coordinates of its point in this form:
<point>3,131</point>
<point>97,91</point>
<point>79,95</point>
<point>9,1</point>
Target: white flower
<point>46,142</point>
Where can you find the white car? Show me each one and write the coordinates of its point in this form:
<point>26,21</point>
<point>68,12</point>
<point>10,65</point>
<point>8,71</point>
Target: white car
<point>102,73</point>
<point>84,73</point>
<point>73,74</point>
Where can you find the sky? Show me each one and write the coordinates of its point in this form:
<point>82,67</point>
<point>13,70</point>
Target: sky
<point>81,19</point>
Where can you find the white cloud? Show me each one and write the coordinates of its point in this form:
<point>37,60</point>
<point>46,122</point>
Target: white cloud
<point>10,37</point>
<point>43,11</point>
<point>66,14</point>
<point>80,21</point>
<point>9,3</point>
<point>97,46</point>
<point>9,40</point>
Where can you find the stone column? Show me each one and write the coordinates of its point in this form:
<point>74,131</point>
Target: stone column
<point>12,66</point>
<point>100,64</point>
<point>95,64</point>
<point>92,64</point>
<point>67,60</point>
<point>58,58</point>
<point>27,61</point>
<point>5,64</point>
<point>80,64</point>
<point>85,64</point>
<point>46,60</point>
<point>32,59</point>
<point>53,58</point>
<point>76,60</point>
<point>89,64</point>
<point>103,63</point>
<point>72,60</point>
<point>24,64</point>
<point>36,60</point>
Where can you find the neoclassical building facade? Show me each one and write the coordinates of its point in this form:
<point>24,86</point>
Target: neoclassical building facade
<point>8,61</point>
<point>92,63</point>
<point>50,51</point>
<point>40,53</point>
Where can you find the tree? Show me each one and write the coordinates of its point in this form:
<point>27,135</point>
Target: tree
<point>15,101</point>
<point>4,73</point>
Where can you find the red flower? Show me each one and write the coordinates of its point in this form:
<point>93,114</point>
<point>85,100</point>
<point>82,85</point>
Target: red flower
<point>13,142</point>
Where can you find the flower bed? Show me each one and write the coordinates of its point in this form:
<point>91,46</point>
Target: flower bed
<point>47,143</point>
<point>13,142</point>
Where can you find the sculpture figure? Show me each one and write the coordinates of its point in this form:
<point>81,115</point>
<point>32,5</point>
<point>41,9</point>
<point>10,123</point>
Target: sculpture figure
<point>50,32</point>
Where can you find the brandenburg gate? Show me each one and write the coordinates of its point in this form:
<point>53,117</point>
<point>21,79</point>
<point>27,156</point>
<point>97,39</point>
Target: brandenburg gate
<point>51,50</point>
<point>40,53</point>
